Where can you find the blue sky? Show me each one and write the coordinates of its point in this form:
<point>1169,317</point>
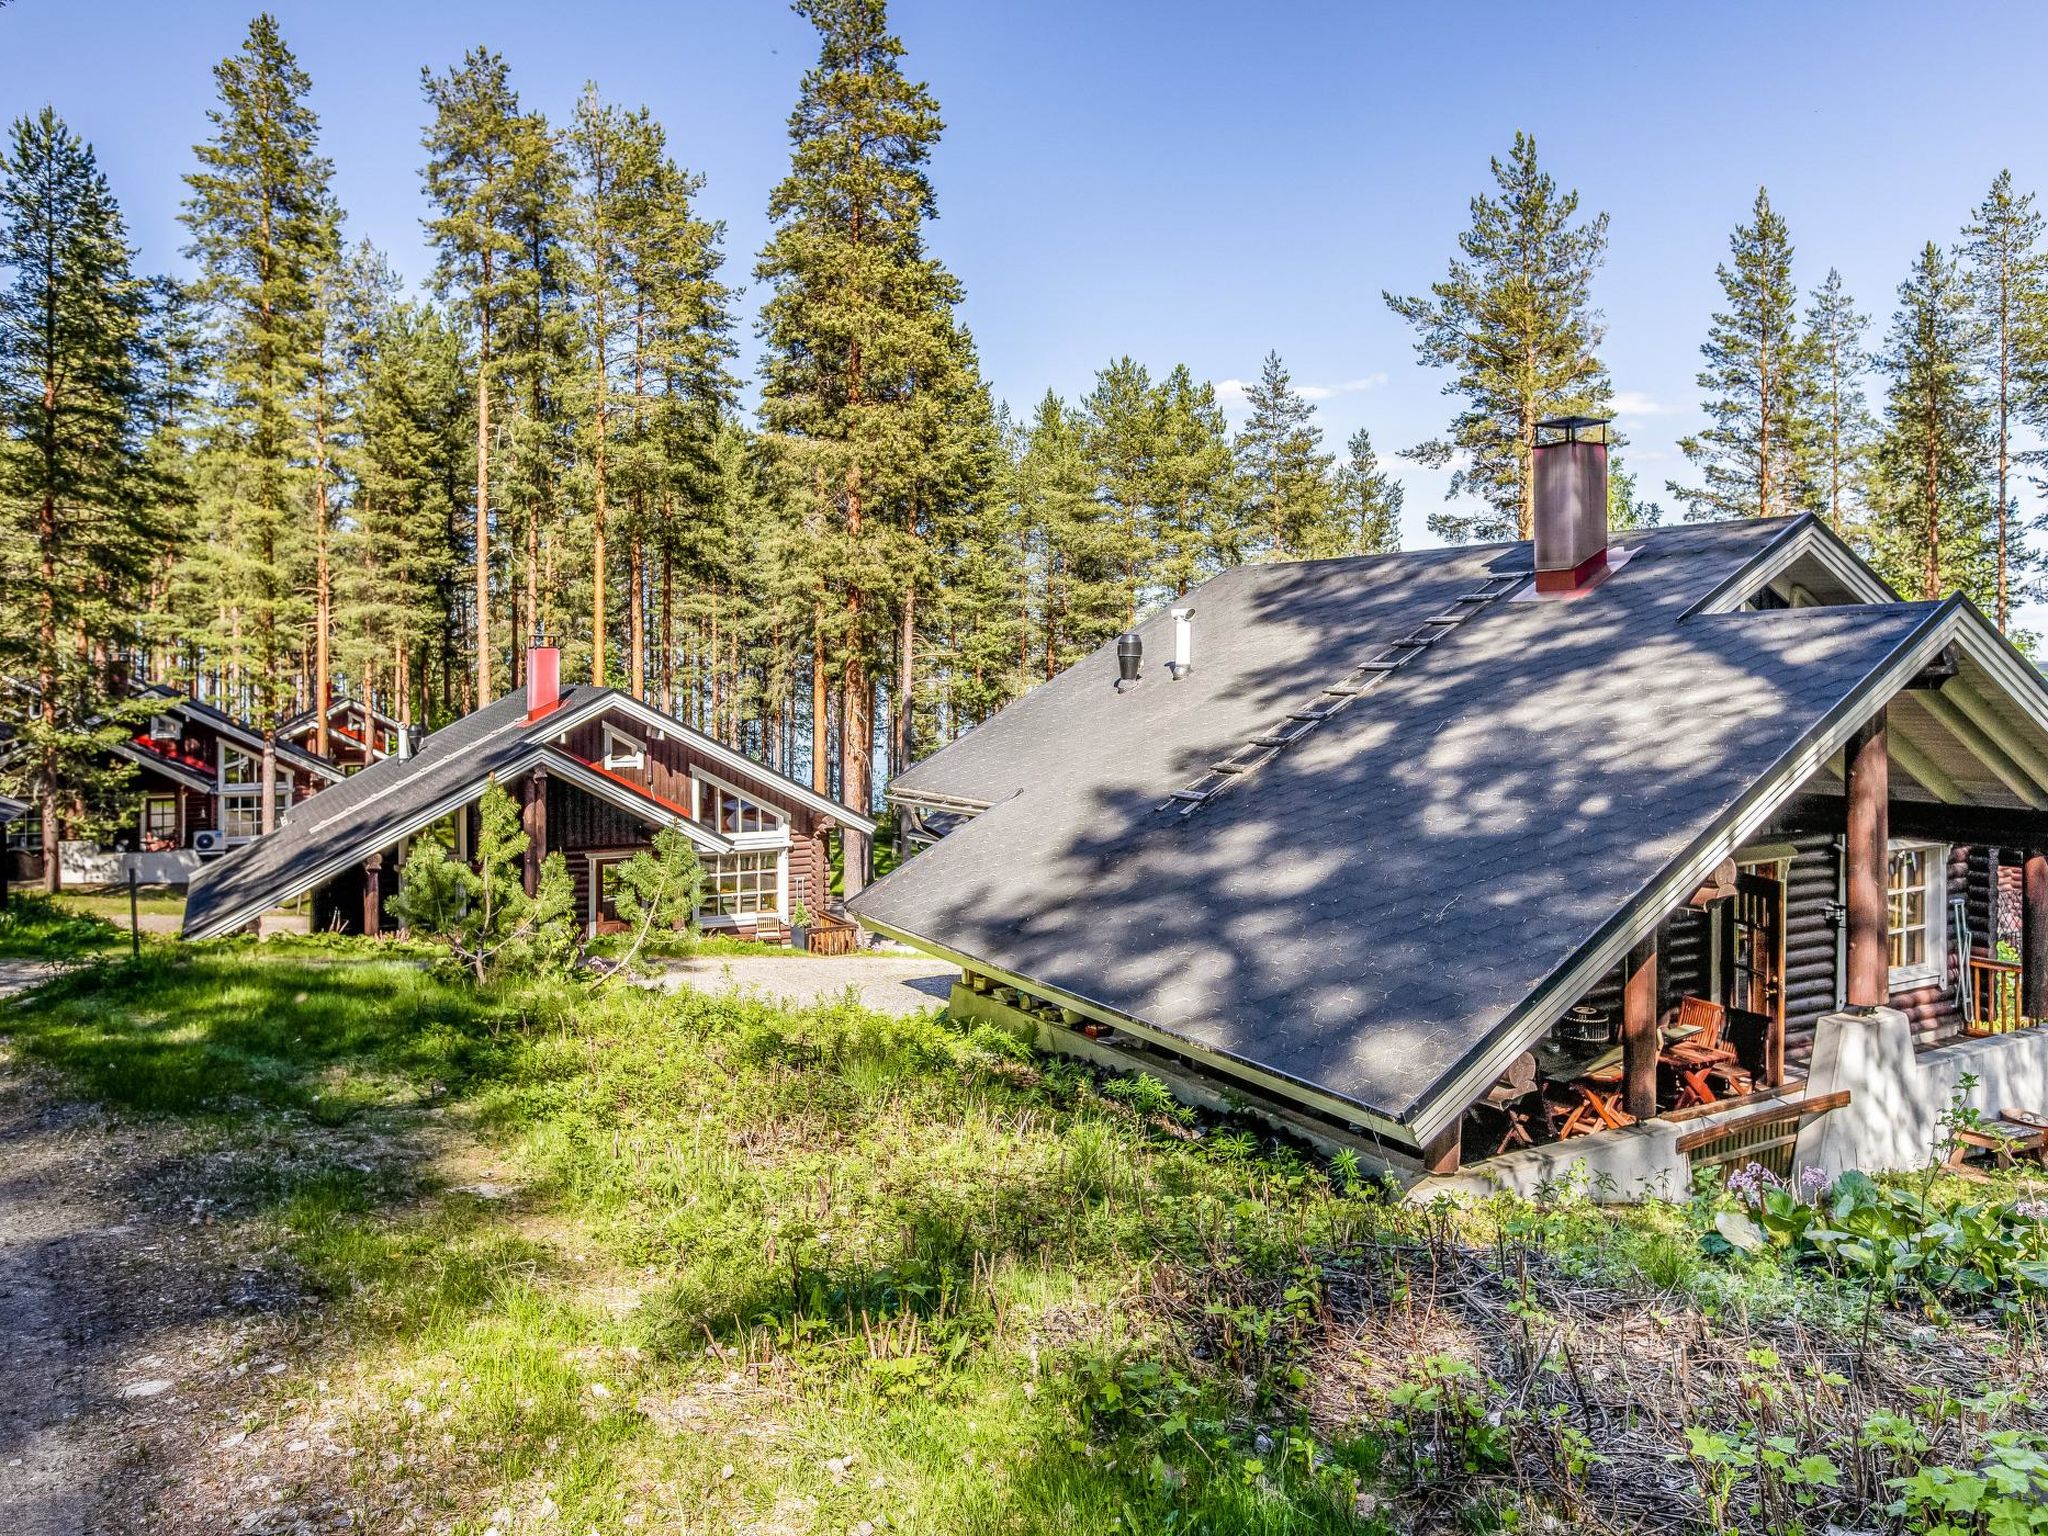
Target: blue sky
<point>1190,182</point>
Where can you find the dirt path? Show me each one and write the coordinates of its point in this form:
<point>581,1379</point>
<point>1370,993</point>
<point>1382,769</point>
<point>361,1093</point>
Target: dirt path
<point>137,1335</point>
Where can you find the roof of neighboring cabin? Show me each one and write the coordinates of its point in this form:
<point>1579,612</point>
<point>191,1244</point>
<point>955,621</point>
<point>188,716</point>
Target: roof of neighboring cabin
<point>369,811</point>
<point>170,701</point>
<point>1370,915</point>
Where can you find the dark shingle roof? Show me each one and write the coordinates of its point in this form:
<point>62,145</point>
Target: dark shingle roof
<point>370,810</point>
<point>1363,913</point>
<point>355,811</point>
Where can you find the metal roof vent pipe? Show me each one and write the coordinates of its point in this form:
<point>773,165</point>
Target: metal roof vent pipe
<point>1570,473</point>
<point>405,743</point>
<point>1130,655</point>
<point>1183,643</point>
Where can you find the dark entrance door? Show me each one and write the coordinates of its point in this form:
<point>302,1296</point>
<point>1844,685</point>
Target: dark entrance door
<point>1756,970</point>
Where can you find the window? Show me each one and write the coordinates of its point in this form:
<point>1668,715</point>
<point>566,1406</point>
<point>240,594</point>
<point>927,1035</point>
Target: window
<point>1916,890</point>
<point>25,831</point>
<point>241,797</point>
<point>159,820</point>
<point>733,813</point>
<point>742,884</point>
<point>622,751</point>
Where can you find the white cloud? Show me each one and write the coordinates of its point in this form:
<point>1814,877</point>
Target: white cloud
<point>1633,402</point>
<point>1234,391</point>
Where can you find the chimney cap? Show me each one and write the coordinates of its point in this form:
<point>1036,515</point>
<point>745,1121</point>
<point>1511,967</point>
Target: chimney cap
<point>1571,426</point>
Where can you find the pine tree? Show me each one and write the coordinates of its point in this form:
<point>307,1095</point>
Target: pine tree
<point>542,366</point>
<point>264,227</point>
<point>1756,380</point>
<point>1936,522</point>
<point>2003,268</point>
<point>858,315</point>
<point>75,491</point>
<point>1292,502</point>
<point>409,463</point>
<point>1368,502</point>
<point>472,178</point>
<point>1198,509</point>
<point>1513,319</point>
<point>670,464</point>
<point>1073,537</point>
<point>1843,427</point>
<point>1120,436</point>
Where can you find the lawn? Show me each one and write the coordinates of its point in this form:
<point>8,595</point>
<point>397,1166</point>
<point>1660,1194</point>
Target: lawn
<point>738,1267</point>
<point>111,902</point>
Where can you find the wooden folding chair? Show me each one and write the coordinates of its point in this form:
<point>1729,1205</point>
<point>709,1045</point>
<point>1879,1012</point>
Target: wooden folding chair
<point>1599,1107</point>
<point>1509,1095</point>
<point>1702,1055</point>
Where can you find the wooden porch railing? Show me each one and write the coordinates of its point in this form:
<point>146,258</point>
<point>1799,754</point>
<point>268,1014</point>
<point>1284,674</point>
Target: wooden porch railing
<point>1995,987</point>
<point>829,936</point>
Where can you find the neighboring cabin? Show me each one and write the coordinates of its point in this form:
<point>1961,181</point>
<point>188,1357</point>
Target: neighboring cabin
<point>1425,853</point>
<point>357,735</point>
<point>596,772</point>
<point>197,793</point>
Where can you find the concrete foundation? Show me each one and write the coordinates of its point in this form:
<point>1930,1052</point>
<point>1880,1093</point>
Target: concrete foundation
<point>1897,1095</point>
<point>88,864</point>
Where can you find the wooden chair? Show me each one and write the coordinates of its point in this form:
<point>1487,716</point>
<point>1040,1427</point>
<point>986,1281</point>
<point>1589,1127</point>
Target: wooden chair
<point>1511,1096</point>
<point>1701,1055</point>
<point>1599,1094</point>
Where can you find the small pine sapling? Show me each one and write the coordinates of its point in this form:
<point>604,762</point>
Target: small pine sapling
<point>656,888</point>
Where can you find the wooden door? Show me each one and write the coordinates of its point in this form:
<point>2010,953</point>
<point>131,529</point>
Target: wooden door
<point>1756,965</point>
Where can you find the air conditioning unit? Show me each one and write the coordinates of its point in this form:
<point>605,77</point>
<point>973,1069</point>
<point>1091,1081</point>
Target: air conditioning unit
<point>210,841</point>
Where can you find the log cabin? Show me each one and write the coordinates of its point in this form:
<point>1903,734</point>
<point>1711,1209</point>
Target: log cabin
<point>196,793</point>
<point>1440,855</point>
<point>357,734</point>
<point>596,772</point>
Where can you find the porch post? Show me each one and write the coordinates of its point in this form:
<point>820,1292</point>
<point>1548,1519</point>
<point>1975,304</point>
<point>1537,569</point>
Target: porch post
<point>373,895</point>
<point>1639,1040</point>
<point>1440,1153</point>
<point>2034,937</point>
<point>1866,864</point>
<point>536,818</point>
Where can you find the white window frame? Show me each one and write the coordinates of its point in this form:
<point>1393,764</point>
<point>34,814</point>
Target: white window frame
<point>242,804</point>
<point>777,837</point>
<point>707,918</point>
<point>623,751</point>
<point>1932,969</point>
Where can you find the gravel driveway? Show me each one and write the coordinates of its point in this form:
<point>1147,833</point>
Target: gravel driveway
<point>900,984</point>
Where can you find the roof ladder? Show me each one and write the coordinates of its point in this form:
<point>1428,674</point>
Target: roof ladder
<point>1362,679</point>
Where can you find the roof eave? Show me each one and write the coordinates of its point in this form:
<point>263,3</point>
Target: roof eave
<point>1440,1107</point>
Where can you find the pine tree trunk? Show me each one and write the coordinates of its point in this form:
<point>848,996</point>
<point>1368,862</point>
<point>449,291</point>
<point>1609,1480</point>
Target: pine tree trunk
<point>323,593</point>
<point>1930,585</point>
<point>2004,421</point>
<point>819,768</point>
<point>899,713</point>
<point>666,667</point>
<point>597,556</point>
<point>483,503</point>
<point>636,614</point>
<point>46,652</point>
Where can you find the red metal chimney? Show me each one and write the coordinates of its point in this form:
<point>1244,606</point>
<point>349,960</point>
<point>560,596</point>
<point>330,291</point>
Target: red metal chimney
<point>1571,502</point>
<point>543,677</point>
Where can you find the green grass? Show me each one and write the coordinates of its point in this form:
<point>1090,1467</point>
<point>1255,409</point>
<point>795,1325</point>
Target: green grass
<point>32,927</point>
<point>111,902</point>
<point>747,1242</point>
